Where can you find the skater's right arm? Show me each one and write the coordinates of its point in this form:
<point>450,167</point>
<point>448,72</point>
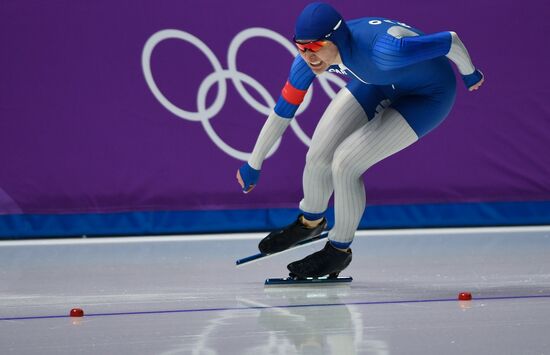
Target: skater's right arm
<point>292,95</point>
<point>249,173</point>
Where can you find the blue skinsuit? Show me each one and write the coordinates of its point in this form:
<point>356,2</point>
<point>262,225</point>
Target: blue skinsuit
<point>411,72</point>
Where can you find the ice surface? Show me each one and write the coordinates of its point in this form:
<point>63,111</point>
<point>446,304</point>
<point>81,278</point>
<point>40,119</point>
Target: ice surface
<point>187,297</point>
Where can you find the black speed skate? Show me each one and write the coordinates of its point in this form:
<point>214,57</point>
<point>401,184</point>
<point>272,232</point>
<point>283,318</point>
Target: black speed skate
<point>289,236</point>
<point>328,261</point>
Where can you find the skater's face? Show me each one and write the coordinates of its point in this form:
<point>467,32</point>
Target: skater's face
<point>318,55</point>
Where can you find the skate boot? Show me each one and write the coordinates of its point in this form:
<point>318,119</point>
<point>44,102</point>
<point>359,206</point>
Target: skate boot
<point>328,261</point>
<point>289,236</point>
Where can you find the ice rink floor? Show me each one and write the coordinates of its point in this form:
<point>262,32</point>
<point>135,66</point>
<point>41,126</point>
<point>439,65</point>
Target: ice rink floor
<point>183,295</point>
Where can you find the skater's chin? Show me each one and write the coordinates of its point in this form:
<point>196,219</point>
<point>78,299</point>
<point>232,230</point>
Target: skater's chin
<point>319,67</point>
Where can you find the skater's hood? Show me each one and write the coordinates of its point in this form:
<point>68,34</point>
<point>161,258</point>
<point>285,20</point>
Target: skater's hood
<point>321,21</point>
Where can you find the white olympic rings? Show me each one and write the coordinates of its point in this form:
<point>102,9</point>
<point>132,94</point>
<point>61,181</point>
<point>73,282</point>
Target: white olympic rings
<point>219,76</point>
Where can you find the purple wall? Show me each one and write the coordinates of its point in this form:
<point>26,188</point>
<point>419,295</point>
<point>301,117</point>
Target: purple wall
<point>82,132</point>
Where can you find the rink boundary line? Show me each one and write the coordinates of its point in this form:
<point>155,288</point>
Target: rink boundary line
<point>257,236</point>
<point>307,305</point>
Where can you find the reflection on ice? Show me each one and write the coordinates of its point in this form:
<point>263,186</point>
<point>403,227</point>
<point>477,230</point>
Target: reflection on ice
<point>220,310</point>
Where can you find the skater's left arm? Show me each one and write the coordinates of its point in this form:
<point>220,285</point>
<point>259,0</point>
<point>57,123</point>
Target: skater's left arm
<point>390,52</point>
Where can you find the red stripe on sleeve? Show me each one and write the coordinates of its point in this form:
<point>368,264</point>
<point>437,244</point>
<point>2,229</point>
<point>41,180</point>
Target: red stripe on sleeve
<point>292,95</point>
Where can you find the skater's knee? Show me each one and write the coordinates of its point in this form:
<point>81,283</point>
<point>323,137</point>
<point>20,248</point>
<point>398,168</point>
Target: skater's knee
<point>318,160</point>
<point>342,165</point>
<point>340,168</point>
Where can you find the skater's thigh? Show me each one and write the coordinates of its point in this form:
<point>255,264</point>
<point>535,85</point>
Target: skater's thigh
<point>342,117</point>
<point>374,141</point>
<point>424,113</point>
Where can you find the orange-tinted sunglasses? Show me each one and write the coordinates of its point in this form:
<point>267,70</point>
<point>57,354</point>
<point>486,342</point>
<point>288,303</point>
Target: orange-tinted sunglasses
<point>313,46</point>
<point>316,45</point>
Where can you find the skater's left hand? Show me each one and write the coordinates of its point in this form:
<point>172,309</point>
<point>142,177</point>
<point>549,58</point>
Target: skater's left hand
<point>247,177</point>
<point>474,81</point>
<point>476,86</point>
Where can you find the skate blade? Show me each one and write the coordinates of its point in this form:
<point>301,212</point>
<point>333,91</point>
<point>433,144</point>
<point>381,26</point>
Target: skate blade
<point>308,281</point>
<point>261,256</point>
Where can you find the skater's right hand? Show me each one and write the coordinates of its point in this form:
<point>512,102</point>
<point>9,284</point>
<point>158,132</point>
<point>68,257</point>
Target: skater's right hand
<point>247,177</point>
